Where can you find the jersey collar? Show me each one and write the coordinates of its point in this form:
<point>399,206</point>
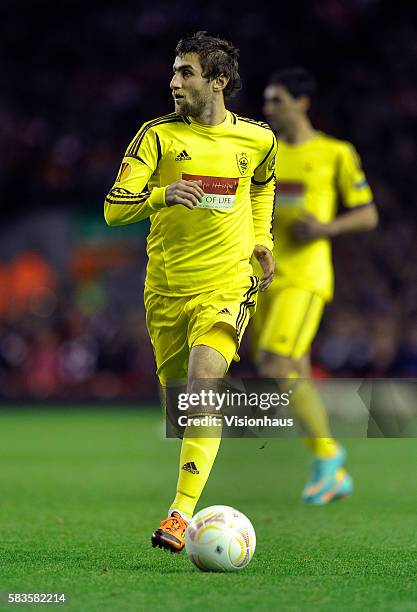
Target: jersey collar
<point>211,128</point>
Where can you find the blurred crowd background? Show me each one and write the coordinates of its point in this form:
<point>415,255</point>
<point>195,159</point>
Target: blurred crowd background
<point>80,78</point>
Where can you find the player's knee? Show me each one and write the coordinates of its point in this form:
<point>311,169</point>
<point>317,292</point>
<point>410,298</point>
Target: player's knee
<point>274,366</point>
<point>206,362</point>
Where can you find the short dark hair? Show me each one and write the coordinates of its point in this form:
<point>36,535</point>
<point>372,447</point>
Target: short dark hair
<point>298,81</point>
<point>217,57</point>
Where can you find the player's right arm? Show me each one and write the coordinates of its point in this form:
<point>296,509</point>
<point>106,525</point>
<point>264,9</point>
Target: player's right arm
<point>130,200</point>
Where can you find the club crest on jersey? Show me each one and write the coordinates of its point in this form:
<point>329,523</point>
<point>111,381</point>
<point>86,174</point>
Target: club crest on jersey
<point>124,172</point>
<point>243,162</point>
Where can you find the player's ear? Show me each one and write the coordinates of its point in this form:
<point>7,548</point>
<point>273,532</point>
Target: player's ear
<point>220,82</point>
<point>304,103</point>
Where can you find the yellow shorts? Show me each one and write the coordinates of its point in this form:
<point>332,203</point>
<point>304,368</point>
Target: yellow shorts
<point>286,321</point>
<point>175,324</point>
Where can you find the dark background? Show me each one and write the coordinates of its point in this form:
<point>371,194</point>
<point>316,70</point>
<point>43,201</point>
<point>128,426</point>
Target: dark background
<point>78,80</point>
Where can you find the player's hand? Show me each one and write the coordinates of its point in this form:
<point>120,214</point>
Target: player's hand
<point>308,228</point>
<point>186,193</point>
<point>267,261</point>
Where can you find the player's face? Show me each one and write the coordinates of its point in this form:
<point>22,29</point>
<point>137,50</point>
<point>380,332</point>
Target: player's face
<point>191,91</point>
<point>281,109</point>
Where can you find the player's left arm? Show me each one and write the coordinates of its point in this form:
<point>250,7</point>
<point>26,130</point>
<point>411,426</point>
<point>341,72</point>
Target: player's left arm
<point>356,197</point>
<point>262,193</point>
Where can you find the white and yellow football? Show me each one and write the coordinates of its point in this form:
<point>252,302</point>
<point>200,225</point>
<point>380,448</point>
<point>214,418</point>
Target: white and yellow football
<point>220,539</point>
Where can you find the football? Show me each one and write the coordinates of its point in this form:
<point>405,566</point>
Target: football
<point>220,539</point>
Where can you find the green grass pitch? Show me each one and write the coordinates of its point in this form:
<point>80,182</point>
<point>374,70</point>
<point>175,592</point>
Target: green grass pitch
<point>81,491</point>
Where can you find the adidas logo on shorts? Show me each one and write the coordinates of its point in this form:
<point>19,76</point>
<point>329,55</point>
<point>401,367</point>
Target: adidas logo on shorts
<point>183,156</point>
<point>225,311</point>
<point>190,467</point>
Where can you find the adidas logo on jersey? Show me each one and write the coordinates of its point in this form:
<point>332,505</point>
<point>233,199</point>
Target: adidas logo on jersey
<point>183,156</point>
<point>190,467</point>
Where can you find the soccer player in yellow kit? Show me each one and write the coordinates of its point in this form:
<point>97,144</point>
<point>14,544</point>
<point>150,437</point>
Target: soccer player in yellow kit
<point>314,173</point>
<point>205,178</point>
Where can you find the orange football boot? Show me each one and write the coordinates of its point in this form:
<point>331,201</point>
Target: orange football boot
<point>171,533</point>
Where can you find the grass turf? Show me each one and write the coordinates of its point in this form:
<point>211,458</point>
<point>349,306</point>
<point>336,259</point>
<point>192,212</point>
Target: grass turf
<point>81,492</point>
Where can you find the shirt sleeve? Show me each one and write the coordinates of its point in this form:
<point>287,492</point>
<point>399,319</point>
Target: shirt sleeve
<point>262,193</point>
<point>130,200</point>
<point>351,180</point>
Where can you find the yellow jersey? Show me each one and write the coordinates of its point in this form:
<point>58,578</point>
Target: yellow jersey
<point>313,176</point>
<point>193,251</point>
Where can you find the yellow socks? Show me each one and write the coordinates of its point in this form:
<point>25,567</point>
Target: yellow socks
<point>310,411</point>
<point>322,448</point>
<point>196,460</point>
